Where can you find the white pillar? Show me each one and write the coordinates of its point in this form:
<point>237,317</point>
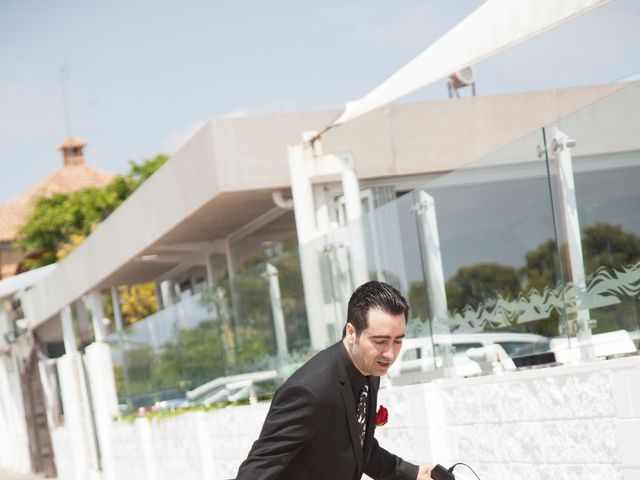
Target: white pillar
<point>97,316</point>
<point>323,217</point>
<point>568,206</point>
<point>117,314</point>
<point>14,441</point>
<point>68,333</point>
<point>305,215</point>
<point>233,291</point>
<point>432,257</point>
<point>105,401</point>
<point>434,276</point>
<point>302,194</point>
<point>167,293</point>
<point>158,292</point>
<point>77,414</point>
<point>211,278</point>
<point>276,310</point>
<point>353,207</point>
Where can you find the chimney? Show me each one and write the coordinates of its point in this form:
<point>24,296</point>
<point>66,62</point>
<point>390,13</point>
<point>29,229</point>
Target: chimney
<point>73,151</point>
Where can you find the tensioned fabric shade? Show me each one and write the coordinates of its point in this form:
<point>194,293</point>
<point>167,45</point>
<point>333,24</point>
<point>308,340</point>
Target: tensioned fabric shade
<point>493,27</point>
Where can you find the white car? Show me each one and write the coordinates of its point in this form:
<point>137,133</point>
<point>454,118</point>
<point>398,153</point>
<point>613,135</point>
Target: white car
<point>468,351</point>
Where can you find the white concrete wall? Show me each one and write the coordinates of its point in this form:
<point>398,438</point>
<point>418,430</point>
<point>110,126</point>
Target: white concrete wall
<point>102,386</point>
<point>14,443</point>
<point>569,422</point>
<point>191,446</point>
<point>73,443</point>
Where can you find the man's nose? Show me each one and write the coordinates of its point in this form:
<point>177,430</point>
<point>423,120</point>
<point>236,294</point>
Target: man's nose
<point>389,354</point>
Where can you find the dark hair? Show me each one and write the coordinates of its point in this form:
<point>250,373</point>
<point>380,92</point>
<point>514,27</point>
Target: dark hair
<point>374,295</point>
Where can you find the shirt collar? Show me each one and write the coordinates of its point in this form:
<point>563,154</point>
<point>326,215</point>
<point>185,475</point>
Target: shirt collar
<point>356,378</point>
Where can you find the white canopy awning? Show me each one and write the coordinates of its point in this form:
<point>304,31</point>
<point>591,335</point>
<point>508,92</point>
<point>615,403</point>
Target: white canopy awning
<point>495,26</point>
<point>9,286</point>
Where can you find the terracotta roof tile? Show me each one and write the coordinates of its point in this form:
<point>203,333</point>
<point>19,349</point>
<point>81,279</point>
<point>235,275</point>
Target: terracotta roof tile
<point>64,180</point>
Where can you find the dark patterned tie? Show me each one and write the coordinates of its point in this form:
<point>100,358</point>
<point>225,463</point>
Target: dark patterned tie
<point>361,411</point>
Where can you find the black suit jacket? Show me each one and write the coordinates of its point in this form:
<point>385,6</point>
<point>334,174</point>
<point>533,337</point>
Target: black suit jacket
<point>311,432</point>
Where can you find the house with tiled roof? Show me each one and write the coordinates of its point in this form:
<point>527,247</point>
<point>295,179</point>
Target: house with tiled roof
<point>74,175</point>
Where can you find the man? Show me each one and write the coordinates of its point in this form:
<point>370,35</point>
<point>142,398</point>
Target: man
<point>322,419</point>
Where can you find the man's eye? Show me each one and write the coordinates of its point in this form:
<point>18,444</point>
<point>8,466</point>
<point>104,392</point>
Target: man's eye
<point>398,342</point>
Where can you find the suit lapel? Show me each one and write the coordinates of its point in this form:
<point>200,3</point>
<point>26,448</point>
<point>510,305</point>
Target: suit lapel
<point>348,401</point>
<point>374,384</point>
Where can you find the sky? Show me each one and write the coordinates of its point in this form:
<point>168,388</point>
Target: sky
<point>140,77</point>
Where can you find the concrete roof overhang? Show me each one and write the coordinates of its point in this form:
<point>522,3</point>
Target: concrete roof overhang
<point>223,178</point>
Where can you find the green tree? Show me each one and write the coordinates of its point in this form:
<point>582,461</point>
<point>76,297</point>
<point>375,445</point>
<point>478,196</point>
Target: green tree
<point>477,283</point>
<point>603,245</point>
<point>606,245</point>
<point>57,222</point>
<point>193,357</point>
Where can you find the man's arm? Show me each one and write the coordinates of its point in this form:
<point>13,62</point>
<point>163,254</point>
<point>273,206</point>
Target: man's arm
<point>383,465</point>
<point>291,422</point>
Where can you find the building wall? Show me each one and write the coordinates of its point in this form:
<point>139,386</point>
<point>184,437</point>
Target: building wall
<point>9,259</point>
<point>14,443</point>
<point>207,181</point>
<point>570,422</point>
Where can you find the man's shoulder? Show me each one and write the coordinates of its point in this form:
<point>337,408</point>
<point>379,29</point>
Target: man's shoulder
<point>318,373</point>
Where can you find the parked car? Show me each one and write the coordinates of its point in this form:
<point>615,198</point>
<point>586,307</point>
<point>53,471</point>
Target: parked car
<point>467,351</point>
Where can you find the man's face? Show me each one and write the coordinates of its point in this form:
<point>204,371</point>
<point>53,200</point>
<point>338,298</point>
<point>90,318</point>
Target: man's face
<point>378,345</point>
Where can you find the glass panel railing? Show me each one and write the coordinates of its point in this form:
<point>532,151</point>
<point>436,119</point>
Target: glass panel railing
<point>162,357</point>
<point>234,342</point>
<point>594,158</point>
<point>482,228</point>
<point>487,255</point>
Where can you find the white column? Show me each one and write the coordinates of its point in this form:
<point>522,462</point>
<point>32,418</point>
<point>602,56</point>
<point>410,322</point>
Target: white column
<point>276,310</point>
<point>568,206</point>
<point>353,207</point>
<point>432,258</point>
<point>97,316</point>
<point>305,215</point>
<point>68,333</point>
<point>14,442</point>
<point>77,415</point>
<point>434,277</point>
<point>167,293</point>
<point>323,217</point>
<point>117,314</point>
<point>105,401</point>
<point>211,278</point>
<point>158,292</point>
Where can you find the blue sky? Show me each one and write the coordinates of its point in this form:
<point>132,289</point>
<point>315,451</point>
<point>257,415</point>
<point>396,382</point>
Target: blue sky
<point>143,75</point>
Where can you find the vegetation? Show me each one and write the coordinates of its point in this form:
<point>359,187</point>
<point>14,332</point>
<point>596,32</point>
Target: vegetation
<point>59,223</point>
<point>480,284</point>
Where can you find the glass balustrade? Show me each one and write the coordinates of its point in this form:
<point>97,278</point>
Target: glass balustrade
<point>528,256</point>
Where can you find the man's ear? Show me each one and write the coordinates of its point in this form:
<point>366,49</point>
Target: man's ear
<point>350,333</point>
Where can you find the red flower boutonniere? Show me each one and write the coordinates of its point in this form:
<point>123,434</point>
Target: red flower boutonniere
<point>382,416</point>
